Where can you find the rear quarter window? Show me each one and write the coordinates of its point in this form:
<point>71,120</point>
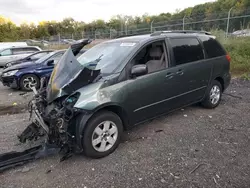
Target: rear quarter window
<point>186,50</point>
<point>6,52</point>
<point>212,47</point>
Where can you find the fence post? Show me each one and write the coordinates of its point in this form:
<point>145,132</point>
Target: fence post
<point>151,26</point>
<point>59,38</point>
<point>126,28</point>
<point>183,23</point>
<point>228,20</point>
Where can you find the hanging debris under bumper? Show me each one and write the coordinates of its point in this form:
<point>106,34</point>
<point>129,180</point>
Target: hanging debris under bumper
<point>13,159</point>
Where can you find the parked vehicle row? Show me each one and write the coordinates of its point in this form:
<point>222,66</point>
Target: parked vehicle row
<point>27,72</point>
<point>33,57</point>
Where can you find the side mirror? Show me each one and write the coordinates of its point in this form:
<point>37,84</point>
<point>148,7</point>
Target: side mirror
<point>50,62</point>
<point>139,70</point>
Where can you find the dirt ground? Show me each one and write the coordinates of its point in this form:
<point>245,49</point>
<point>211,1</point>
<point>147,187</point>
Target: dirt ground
<point>192,147</point>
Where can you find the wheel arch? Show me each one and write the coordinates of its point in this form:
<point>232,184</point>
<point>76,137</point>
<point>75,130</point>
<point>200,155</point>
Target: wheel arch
<point>83,118</point>
<point>221,80</point>
<point>118,110</point>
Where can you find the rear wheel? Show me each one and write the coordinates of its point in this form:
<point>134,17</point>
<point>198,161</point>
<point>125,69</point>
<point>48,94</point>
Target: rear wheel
<point>213,96</point>
<point>28,81</point>
<point>102,134</point>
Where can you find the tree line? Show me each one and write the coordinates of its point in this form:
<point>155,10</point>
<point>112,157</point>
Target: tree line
<point>9,31</point>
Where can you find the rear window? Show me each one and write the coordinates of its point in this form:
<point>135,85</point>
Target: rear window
<point>186,50</point>
<point>212,47</point>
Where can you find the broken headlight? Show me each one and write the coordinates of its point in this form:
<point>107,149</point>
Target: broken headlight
<point>71,100</point>
<point>68,104</point>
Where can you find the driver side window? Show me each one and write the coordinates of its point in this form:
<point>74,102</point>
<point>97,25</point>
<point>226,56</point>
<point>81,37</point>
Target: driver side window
<point>153,56</point>
<point>56,58</point>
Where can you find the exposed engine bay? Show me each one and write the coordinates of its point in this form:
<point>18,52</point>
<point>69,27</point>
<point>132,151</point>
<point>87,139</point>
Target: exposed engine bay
<point>52,112</point>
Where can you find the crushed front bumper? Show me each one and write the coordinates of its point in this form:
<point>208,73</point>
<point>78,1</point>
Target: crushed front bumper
<point>9,81</point>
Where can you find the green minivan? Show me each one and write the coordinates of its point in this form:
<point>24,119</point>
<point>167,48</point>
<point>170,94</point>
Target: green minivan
<point>117,84</point>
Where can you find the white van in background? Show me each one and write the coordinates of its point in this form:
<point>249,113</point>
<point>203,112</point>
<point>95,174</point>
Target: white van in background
<point>12,44</point>
<point>12,53</point>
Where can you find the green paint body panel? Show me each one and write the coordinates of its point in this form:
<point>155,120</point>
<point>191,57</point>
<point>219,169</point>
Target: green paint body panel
<point>153,94</point>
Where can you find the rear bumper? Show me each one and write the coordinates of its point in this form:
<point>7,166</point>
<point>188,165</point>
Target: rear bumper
<point>227,80</point>
<point>9,81</point>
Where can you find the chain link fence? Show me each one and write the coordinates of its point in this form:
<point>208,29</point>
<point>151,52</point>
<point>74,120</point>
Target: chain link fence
<point>227,21</point>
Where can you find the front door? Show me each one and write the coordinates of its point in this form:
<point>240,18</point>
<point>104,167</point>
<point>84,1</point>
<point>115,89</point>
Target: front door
<point>48,67</point>
<point>144,96</point>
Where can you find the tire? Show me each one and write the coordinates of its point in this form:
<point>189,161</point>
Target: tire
<point>210,101</point>
<point>34,80</point>
<point>102,147</point>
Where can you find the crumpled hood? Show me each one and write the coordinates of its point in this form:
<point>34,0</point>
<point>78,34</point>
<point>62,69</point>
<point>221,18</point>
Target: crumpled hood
<point>69,75</point>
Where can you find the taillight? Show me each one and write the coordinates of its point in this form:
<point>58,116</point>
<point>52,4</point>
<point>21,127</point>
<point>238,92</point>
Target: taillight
<point>228,57</point>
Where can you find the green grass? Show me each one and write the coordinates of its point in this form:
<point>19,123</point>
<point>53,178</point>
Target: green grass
<point>239,50</point>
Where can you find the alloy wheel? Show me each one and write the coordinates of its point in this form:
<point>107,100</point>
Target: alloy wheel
<point>104,136</point>
<point>29,82</point>
<point>215,94</point>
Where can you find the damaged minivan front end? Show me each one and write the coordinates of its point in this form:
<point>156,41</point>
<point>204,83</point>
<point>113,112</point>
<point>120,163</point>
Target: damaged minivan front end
<point>52,110</point>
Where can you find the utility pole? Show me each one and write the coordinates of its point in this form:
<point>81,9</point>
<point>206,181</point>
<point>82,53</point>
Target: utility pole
<point>151,26</point>
<point>228,20</point>
<point>183,23</point>
<point>110,35</point>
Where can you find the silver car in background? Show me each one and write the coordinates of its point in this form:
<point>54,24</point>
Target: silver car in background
<point>13,53</point>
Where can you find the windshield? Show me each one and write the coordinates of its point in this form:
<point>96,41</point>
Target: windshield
<point>106,56</point>
<point>45,57</point>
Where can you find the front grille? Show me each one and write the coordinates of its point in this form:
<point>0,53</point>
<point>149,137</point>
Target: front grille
<point>8,80</point>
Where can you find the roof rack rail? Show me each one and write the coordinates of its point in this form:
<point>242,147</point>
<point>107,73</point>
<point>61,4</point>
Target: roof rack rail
<point>157,33</point>
<point>129,35</point>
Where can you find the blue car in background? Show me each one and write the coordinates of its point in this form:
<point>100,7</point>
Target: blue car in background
<point>24,75</point>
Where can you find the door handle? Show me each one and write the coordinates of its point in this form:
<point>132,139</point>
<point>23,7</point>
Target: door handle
<point>180,72</point>
<point>169,75</point>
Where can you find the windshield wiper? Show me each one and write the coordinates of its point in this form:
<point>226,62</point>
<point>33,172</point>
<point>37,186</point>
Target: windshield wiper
<point>92,64</point>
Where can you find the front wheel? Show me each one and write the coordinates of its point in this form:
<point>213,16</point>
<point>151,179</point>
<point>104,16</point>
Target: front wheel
<point>213,96</point>
<point>102,134</point>
<point>28,81</point>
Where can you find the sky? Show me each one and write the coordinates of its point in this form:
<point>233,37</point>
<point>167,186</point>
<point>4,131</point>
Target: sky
<point>87,10</point>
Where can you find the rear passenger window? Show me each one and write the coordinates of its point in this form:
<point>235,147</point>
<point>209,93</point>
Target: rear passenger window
<point>212,47</point>
<point>186,50</point>
<point>30,49</point>
<point>17,51</point>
